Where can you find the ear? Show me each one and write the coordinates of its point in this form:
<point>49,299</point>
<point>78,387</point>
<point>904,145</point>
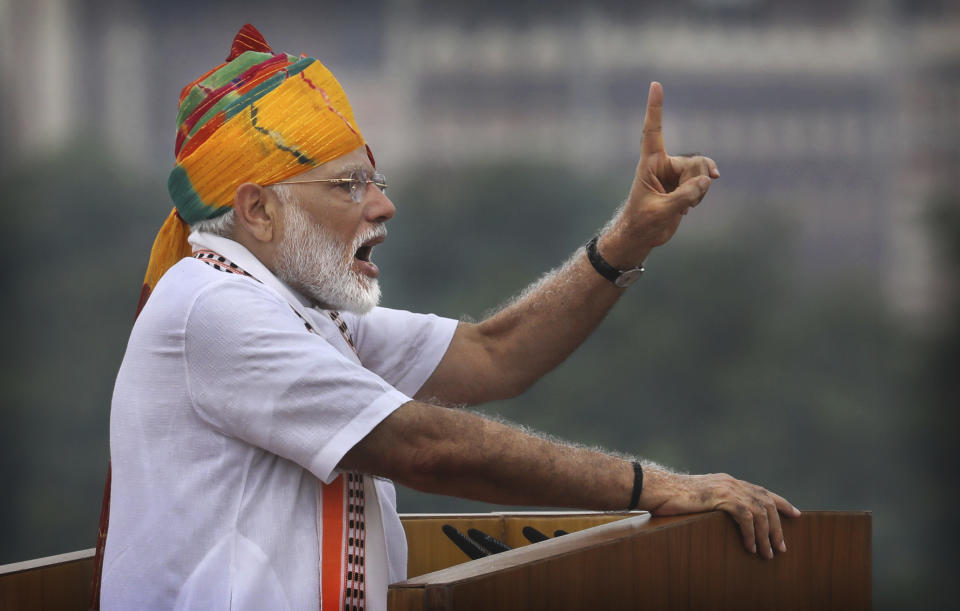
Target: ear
<point>256,211</point>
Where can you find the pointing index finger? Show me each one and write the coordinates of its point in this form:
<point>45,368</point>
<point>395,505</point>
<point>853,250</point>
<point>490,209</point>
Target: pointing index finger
<point>652,129</point>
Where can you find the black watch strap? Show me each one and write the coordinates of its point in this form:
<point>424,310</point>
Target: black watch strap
<point>620,278</point>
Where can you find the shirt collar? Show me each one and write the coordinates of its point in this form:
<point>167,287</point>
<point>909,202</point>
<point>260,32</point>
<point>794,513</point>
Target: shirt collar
<point>239,254</point>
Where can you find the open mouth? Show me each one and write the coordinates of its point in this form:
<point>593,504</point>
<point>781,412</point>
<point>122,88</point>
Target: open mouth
<point>364,253</point>
<point>366,250</point>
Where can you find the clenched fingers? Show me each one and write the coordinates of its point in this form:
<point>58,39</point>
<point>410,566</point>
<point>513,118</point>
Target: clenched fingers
<point>689,193</point>
<point>714,170</point>
<point>687,166</point>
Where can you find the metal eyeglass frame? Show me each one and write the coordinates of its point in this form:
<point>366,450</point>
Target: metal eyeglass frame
<point>358,182</point>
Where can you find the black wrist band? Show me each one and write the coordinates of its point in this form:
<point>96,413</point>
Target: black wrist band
<point>637,486</point>
<point>620,278</point>
<point>603,268</point>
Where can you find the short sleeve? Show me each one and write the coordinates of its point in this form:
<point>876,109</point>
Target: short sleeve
<point>255,373</point>
<point>402,347</point>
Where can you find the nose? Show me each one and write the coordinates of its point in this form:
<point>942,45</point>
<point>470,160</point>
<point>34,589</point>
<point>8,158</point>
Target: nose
<point>379,208</point>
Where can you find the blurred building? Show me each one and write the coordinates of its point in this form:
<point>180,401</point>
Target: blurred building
<point>844,115</point>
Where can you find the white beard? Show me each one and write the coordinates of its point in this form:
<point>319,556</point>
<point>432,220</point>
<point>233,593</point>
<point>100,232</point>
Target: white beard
<point>318,264</point>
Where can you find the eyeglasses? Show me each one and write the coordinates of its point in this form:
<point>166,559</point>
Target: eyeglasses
<point>356,183</point>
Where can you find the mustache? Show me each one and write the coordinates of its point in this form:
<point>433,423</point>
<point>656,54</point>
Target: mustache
<point>377,231</point>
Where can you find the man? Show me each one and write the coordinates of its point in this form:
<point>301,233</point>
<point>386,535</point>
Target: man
<point>264,399</point>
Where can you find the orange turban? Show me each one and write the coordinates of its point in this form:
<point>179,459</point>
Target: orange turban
<point>259,117</point>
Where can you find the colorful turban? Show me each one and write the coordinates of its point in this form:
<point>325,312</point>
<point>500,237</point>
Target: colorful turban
<point>260,117</point>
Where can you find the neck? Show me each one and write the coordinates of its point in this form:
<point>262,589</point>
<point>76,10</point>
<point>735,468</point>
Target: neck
<point>266,252</point>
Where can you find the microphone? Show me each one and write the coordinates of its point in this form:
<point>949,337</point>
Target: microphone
<point>468,547</point>
<point>494,545</point>
<point>533,535</point>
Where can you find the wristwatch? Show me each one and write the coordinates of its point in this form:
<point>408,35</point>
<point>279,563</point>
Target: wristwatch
<point>621,278</point>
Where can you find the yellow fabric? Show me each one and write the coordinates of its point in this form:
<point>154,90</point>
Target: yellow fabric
<point>308,113</point>
<point>169,247</point>
<point>315,121</point>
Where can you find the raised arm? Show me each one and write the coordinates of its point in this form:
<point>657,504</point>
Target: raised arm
<point>506,353</point>
<point>457,453</point>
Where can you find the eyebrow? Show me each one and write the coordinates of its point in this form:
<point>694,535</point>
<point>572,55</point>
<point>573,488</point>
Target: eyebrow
<point>350,168</point>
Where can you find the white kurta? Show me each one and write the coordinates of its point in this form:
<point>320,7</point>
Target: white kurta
<point>225,413</point>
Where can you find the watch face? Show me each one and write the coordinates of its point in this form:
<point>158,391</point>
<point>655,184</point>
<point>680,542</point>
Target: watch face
<point>629,277</point>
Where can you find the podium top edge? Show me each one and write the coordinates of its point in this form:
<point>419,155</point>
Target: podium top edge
<point>575,513</point>
<point>27,565</point>
<point>521,514</point>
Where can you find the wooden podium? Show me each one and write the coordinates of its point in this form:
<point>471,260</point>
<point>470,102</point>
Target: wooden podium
<point>608,561</point>
<point>638,562</point>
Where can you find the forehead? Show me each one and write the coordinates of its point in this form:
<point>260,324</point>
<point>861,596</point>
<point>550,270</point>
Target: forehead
<point>340,166</point>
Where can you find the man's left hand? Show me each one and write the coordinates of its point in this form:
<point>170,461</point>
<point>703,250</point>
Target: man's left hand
<point>664,188</point>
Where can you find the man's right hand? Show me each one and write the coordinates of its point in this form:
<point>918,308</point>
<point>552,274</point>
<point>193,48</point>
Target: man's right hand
<point>755,509</point>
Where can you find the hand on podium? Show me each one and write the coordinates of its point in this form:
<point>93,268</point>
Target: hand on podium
<point>755,509</point>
